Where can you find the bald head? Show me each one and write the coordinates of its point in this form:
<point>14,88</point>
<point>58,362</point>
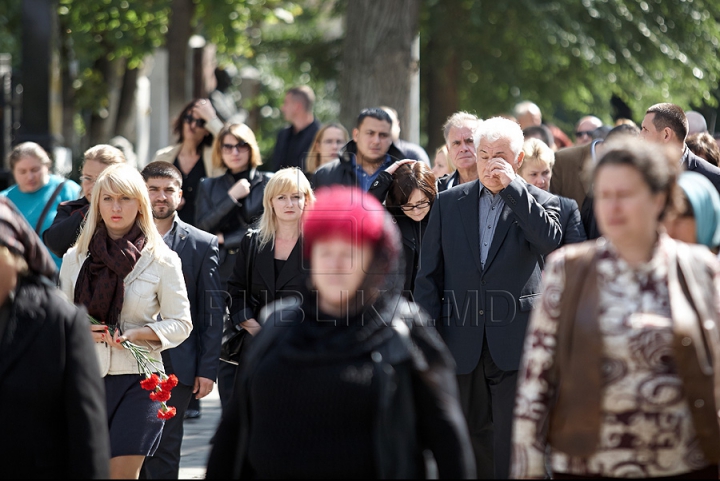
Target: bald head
<point>585,128</point>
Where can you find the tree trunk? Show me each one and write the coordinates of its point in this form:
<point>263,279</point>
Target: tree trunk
<point>178,35</point>
<point>377,60</point>
<point>441,70</point>
<point>125,124</point>
<point>102,124</point>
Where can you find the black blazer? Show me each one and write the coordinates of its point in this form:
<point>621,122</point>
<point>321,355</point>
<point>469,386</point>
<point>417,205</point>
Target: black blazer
<point>697,164</point>
<point>467,301</point>
<point>265,289</point>
<point>52,397</point>
<point>199,354</point>
<point>65,229</point>
<point>216,211</point>
<point>571,223</point>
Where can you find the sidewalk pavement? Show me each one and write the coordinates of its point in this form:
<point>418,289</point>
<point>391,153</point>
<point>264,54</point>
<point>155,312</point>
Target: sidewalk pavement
<point>196,440</point>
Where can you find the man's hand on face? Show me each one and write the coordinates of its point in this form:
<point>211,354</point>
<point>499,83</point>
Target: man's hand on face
<point>501,170</point>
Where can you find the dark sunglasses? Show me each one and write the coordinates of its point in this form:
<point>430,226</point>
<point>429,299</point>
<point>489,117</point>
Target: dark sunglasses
<point>189,119</point>
<point>240,146</point>
<point>580,133</point>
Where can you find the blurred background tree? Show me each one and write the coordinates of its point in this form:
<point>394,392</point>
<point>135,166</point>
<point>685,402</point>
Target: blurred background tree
<point>571,57</point>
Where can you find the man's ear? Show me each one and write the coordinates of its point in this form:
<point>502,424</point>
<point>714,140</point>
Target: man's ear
<point>668,134</point>
<point>355,134</point>
<point>180,193</point>
<point>520,158</point>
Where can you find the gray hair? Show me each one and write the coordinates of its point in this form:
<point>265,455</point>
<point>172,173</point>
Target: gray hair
<point>460,119</point>
<point>498,128</point>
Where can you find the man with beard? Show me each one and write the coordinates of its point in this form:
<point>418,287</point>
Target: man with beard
<point>195,361</point>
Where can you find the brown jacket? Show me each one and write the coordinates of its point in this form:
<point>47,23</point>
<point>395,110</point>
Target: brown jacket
<point>575,422</point>
<point>568,173</point>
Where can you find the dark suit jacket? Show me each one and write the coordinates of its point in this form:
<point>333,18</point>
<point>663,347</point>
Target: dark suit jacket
<point>571,223</point>
<point>467,301</point>
<point>65,229</point>
<point>264,289</point>
<point>52,398</point>
<point>569,177</point>
<point>291,149</point>
<point>697,164</point>
<point>199,354</point>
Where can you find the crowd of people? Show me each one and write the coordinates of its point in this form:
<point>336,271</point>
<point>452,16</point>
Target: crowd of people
<point>523,306</point>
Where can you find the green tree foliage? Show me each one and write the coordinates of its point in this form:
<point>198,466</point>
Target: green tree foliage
<point>571,56</point>
<point>10,28</point>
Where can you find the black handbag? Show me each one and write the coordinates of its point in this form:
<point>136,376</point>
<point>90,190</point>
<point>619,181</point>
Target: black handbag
<point>234,338</point>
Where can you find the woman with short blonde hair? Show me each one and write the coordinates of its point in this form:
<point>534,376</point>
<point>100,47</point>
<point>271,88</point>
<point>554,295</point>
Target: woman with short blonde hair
<point>132,283</point>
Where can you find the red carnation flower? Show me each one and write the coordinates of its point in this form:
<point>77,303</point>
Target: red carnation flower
<point>161,396</point>
<point>169,383</point>
<point>150,383</point>
<point>166,413</point>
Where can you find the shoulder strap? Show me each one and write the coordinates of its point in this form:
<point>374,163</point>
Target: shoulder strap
<point>49,204</point>
<point>252,253</point>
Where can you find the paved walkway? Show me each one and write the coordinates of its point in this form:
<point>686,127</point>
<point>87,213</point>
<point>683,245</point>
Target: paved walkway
<point>196,441</point>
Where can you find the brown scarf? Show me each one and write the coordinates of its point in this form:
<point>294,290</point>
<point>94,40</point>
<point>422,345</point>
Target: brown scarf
<point>100,286</point>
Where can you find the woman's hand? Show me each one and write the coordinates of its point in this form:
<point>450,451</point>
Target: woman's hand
<point>99,333</point>
<point>391,170</point>
<point>133,335</point>
<point>204,109</point>
<point>251,326</point>
<point>240,189</point>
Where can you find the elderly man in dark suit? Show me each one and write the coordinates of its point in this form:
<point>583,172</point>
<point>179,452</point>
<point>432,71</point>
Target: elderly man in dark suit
<point>195,361</point>
<point>479,277</point>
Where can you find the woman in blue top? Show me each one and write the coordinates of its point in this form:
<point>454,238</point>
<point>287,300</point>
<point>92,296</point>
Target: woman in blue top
<point>35,187</point>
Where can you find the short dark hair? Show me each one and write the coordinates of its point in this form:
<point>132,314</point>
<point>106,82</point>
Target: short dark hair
<point>409,177</point>
<point>374,113</point>
<point>672,116</point>
<point>162,170</point>
<point>541,132</point>
<point>305,95</point>
<point>623,129</point>
<point>654,163</point>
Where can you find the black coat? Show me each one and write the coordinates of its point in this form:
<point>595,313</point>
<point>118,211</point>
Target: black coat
<point>52,397</point>
<point>571,223</point>
<point>467,301</point>
<point>264,289</point>
<point>697,164</point>
<point>65,229</point>
<point>199,354</point>
<point>418,407</point>
<point>217,212</point>
<point>291,149</point>
<point>341,171</point>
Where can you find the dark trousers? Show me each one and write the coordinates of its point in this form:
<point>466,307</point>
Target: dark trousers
<point>165,463</point>
<point>487,396</point>
<point>226,382</point>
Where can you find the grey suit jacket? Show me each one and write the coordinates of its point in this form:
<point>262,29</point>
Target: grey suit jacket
<point>199,354</point>
<point>466,301</point>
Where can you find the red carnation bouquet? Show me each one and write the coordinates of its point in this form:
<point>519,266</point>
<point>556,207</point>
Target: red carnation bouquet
<point>159,384</point>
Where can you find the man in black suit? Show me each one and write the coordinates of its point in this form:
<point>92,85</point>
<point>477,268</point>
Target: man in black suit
<point>195,361</point>
<point>294,141</point>
<point>667,124</point>
<point>479,276</point>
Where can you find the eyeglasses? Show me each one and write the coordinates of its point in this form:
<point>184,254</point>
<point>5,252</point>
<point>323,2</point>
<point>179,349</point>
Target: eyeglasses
<point>420,206</point>
<point>581,133</point>
<point>89,180</point>
<point>240,146</point>
<point>199,123</point>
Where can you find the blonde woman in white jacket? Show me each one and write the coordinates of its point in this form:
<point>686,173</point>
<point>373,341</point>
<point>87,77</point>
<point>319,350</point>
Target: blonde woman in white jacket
<point>123,273</point>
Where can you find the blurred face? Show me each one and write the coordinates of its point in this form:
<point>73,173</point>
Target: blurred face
<point>440,166</point>
<point>194,127</point>
<point>165,196</point>
<point>583,132</point>
<point>418,205</point>
<point>288,206</point>
<point>119,213</point>
<point>649,132</point>
<point>537,174</point>
<point>290,107</point>
<point>625,208</point>
<point>235,154</point>
<point>499,149</point>
<point>30,174</point>
<point>90,172</point>
<point>373,139</point>
<point>461,147</point>
<point>682,228</point>
<point>338,270</point>
<point>332,141</point>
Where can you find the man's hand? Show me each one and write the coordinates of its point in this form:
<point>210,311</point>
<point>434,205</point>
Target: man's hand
<point>501,170</point>
<point>203,386</point>
<point>251,326</point>
<point>391,170</point>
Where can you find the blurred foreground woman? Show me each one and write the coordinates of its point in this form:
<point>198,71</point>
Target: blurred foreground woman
<point>620,370</point>
<point>346,383</point>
